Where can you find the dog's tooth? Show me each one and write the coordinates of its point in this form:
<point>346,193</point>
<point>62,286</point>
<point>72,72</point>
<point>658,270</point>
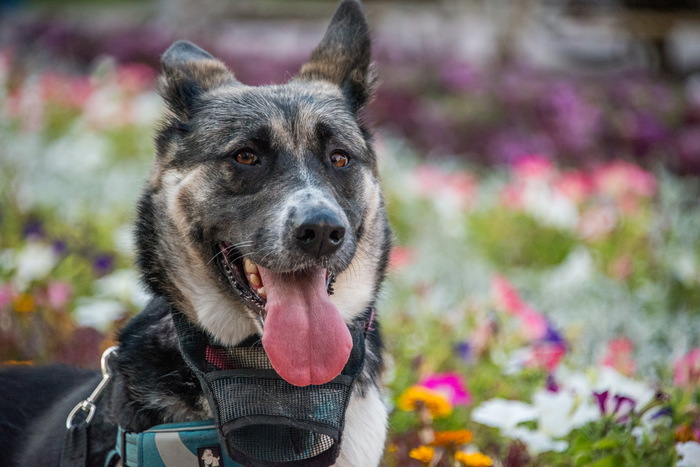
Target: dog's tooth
<point>250,267</point>
<point>261,292</point>
<point>255,280</point>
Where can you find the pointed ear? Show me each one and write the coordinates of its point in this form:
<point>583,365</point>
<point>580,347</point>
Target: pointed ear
<point>189,71</point>
<point>344,55</point>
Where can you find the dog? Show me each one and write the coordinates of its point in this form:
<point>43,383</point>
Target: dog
<point>262,221</point>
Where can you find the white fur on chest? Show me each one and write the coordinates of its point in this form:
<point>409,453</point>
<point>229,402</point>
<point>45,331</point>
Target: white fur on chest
<point>365,430</point>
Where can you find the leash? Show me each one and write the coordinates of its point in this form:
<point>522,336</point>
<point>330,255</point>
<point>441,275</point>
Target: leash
<point>75,443</point>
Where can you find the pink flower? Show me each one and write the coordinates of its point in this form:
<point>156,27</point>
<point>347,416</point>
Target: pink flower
<point>533,166</point>
<point>597,221</point>
<point>534,324</point>
<point>506,296</point>
<point>435,182</point>
<point>619,356</point>
<point>7,294</point>
<point>450,385</point>
<point>625,183</point>
<point>577,186</point>
<point>547,355</point>
<point>58,294</point>
<point>72,92</point>
<point>513,196</point>
<point>686,370</point>
<point>135,77</point>
<point>401,257</point>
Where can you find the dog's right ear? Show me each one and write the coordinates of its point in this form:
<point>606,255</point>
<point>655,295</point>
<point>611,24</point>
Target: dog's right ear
<point>189,71</point>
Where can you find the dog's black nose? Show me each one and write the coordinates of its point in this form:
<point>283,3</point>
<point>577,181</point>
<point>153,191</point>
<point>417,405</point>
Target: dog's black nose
<point>320,234</point>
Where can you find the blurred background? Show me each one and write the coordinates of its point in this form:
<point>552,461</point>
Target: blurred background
<point>540,160</point>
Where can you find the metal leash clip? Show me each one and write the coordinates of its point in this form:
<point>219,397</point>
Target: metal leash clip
<point>88,406</point>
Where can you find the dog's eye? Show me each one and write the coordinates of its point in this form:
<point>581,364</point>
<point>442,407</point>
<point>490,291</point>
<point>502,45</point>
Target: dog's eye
<point>246,157</point>
<point>338,159</point>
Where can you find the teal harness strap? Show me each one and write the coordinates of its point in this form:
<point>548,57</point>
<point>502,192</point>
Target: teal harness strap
<point>172,445</point>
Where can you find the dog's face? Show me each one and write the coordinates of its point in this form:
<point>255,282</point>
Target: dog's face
<point>265,200</point>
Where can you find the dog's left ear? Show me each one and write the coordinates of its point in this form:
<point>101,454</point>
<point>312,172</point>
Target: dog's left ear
<point>344,55</point>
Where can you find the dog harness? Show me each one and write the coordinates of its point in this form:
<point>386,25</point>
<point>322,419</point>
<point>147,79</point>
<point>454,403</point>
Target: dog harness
<point>259,418</point>
<point>189,444</point>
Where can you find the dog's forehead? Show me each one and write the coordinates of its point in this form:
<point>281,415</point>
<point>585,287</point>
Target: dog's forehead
<point>292,112</point>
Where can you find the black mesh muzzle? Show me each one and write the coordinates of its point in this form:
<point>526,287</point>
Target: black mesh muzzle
<point>262,419</point>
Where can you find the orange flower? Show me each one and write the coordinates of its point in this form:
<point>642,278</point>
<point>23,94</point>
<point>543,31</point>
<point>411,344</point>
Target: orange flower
<point>685,433</point>
<point>452,437</point>
<point>422,453</point>
<point>24,303</point>
<point>416,397</point>
<point>473,459</point>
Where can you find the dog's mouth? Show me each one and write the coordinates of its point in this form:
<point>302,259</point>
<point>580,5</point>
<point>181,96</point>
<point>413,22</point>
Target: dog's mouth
<point>304,335</point>
<point>245,278</point>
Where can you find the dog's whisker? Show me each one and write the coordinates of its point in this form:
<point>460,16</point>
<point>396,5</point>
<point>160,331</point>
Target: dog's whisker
<point>237,246</point>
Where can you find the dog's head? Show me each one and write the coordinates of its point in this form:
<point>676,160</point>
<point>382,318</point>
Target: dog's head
<point>264,200</point>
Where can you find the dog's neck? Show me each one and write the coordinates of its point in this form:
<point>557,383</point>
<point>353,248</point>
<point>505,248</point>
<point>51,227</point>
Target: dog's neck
<point>153,384</point>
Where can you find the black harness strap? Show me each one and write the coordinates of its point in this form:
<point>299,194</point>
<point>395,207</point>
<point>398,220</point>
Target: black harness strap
<point>75,446</point>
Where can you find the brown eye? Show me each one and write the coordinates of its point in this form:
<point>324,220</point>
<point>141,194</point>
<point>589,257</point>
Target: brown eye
<point>246,158</point>
<point>339,159</point>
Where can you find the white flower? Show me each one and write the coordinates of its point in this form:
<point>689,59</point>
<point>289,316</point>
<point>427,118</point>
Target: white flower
<point>549,206</point>
<point>98,313</point>
<point>123,285</point>
<point>536,441</point>
<point>562,411</point>
<point>689,453</point>
<point>503,414</point>
<point>35,261</point>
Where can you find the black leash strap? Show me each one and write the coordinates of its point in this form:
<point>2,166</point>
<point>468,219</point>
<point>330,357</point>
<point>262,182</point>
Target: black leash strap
<point>75,444</point>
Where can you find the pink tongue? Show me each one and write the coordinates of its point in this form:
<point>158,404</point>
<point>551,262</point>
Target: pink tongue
<point>304,335</point>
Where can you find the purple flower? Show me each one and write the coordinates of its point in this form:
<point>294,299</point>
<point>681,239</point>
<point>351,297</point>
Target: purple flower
<point>460,76</point>
<point>60,247</point>
<point>464,351</point>
<point>103,264</point>
<point>622,406</point>
<point>552,385</point>
<point>33,229</point>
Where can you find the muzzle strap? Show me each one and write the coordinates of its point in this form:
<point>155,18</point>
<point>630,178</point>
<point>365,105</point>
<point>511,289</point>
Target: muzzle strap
<point>262,419</point>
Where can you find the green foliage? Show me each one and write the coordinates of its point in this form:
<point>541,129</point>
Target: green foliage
<point>515,239</point>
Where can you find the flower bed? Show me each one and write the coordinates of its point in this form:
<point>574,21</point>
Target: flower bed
<point>536,313</point>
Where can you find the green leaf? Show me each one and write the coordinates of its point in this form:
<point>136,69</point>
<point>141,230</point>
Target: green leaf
<point>608,461</point>
<point>605,444</point>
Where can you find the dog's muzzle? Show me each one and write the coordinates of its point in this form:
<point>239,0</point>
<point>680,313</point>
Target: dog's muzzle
<point>263,420</point>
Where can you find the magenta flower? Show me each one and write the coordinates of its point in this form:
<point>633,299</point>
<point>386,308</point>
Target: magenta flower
<point>533,166</point>
<point>450,385</point>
